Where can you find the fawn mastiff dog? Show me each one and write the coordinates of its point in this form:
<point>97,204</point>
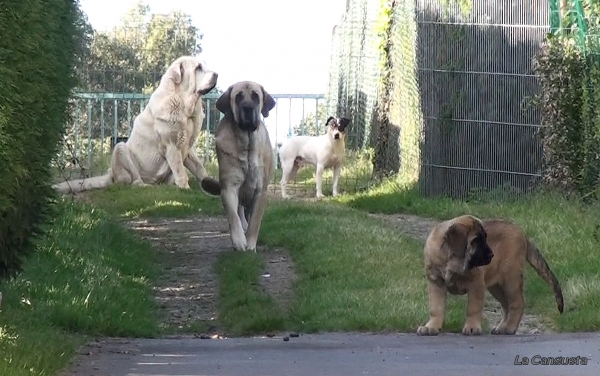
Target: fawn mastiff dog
<point>465,255</point>
<point>245,158</point>
<point>164,135</point>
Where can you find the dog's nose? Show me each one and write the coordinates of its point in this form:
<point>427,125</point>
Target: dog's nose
<point>337,136</point>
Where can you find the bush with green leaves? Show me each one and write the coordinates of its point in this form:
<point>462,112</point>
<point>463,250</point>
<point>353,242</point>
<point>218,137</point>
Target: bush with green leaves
<point>570,111</point>
<point>39,43</point>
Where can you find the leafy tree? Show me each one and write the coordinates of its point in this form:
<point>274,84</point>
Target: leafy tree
<point>312,125</point>
<point>132,57</point>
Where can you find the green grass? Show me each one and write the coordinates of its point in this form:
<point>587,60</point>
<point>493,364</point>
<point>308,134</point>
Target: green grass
<point>89,277</point>
<point>563,228</point>
<point>161,201</point>
<point>353,273</point>
<point>243,307</point>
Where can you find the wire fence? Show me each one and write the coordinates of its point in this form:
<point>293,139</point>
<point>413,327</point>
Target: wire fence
<point>453,107</point>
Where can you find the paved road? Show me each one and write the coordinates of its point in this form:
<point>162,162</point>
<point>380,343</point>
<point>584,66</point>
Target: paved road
<point>341,354</point>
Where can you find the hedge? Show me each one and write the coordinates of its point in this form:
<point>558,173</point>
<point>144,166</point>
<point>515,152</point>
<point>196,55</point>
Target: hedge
<point>570,132</point>
<point>38,44</point>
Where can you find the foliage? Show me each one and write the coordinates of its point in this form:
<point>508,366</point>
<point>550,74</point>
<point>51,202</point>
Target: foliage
<point>132,57</point>
<point>39,42</point>
<point>570,130</point>
<point>383,29</point>
<point>312,125</point>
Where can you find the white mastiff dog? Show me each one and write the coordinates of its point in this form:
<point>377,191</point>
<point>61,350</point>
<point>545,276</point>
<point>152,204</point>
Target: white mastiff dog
<point>163,138</point>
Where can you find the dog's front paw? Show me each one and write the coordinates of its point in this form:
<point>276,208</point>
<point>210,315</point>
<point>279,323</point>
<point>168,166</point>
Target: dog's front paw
<point>501,329</point>
<point>320,195</point>
<point>139,183</point>
<point>427,331</point>
<point>239,244</point>
<point>471,330</point>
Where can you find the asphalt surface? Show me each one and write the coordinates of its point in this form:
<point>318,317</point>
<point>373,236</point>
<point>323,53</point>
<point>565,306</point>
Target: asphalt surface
<point>341,354</point>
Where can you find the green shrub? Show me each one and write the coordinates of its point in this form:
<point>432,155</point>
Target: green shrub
<point>570,132</point>
<point>38,44</point>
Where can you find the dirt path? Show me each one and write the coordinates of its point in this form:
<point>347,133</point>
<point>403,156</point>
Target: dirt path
<point>187,288</point>
<point>418,228</point>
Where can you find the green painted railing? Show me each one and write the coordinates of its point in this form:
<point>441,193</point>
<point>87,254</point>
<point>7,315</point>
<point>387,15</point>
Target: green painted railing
<point>99,120</point>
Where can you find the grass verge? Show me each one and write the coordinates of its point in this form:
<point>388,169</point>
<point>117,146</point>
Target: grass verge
<point>244,308</point>
<point>564,229</point>
<point>89,277</point>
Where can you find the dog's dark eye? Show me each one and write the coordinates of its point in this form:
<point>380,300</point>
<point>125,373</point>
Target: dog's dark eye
<point>254,96</point>
<point>239,97</point>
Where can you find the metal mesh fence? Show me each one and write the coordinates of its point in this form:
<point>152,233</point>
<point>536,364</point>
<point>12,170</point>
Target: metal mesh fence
<point>457,81</point>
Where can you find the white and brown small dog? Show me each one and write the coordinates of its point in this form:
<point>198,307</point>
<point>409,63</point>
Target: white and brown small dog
<point>324,151</point>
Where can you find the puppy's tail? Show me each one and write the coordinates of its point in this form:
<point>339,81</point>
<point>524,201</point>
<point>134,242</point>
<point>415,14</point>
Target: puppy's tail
<point>537,261</point>
<point>80,185</point>
<point>211,186</point>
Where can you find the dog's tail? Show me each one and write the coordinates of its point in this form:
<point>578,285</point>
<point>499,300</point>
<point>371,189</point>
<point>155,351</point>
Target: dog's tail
<point>537,261</point>
<point>80,185</point>
<point>211,186</point>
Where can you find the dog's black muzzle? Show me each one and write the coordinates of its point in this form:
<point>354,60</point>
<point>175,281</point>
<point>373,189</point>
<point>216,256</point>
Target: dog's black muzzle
<point>248,117</point>
<point>481,257</point>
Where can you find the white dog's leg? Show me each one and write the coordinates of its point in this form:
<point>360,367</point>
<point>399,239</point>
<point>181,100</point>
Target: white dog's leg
<point>337,169</point>
<point>123,169</point>
<point>194,164</point>
<point>320,169</point>
<point>175,162</point>
<point>242,215</point>
<point>231,203</point>
<point>256,220</point>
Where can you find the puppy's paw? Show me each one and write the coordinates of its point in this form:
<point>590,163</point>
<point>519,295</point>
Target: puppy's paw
<point>427,331</point>
<point>471,330</point>
<point>502,329</point>
<point>320,195</point>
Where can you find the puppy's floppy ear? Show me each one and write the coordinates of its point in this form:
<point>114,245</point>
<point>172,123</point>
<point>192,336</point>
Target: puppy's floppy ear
<point>268,103</point>
<point>456,238</point>
<point>176,72</point>
<point>223,104</point>
<point>328,120</point>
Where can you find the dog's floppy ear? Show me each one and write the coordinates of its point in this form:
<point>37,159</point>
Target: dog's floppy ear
<point>268,103</point>
<point>176,72</point>
<point>328,120</point>
<point>456,238</point>
<point>344,123</point>
<point>223,104</point>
